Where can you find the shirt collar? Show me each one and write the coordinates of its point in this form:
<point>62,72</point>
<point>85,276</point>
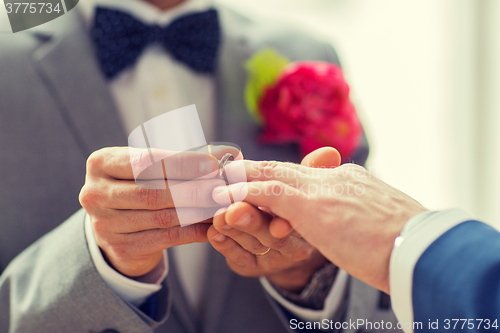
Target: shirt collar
<point>143,10</point>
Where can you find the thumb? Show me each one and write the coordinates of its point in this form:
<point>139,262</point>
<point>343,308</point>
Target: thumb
<point>326,157</point>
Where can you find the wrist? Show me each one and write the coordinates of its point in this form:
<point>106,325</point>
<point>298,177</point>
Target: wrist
<point>295,279</point>
<point>134,269</point>
<point>313,296</point>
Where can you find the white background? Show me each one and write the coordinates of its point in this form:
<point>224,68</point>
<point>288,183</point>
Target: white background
<point>425,77</point>
<point>4,19</point>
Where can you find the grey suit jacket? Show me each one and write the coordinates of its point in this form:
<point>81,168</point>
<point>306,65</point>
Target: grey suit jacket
<point>55,109</point>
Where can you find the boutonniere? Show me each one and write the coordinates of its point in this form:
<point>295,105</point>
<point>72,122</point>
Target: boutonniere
<point>303,102</point>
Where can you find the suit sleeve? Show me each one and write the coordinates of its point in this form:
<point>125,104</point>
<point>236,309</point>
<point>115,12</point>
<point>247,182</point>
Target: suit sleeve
<point>135,291</point>
<point>458,277</point>
<point>53,286</point>
<point>446,266</point>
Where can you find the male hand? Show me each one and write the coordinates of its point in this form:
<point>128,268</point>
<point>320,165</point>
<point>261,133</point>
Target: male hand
<point>350,216</point>
<point>242,235</point>
<point>133,224</point>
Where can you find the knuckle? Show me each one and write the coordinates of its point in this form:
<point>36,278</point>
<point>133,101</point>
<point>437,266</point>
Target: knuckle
<point>149,197</point>
<point>176,165</point>
<point>90,195</point>
<point>257,247</point>
<point>196,194</point>
<point>354,168</point>
<point>173,234</point>
<point>164,217</point>
<point>199,232</point>
<point>140,160</point>
<point>267,167</point>
<point>100,226</point>
<point>278,244</point>
<point>95,160</point>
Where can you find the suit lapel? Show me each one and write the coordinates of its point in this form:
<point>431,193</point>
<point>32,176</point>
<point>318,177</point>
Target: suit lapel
<point>67,64</point>
<point>230,81</point>
<point>235,124</point>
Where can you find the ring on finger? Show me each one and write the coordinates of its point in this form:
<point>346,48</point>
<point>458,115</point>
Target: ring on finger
<point>263,253</point>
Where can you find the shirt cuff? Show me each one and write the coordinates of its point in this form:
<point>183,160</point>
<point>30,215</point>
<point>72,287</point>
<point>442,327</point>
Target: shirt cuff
<point>332,301</point>
<point>132,291</point>
<point>417,235</point>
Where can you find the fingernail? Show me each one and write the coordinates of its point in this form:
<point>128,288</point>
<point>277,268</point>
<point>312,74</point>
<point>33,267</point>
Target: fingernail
<point>219,190</point>
<point>219,238</point>
<point>244,221</point>
<point>227,227</point>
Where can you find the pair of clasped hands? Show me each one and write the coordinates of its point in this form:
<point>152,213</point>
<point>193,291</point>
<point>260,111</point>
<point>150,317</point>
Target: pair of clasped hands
<point>133,222</point>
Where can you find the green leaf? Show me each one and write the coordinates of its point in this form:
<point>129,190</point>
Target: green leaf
<point>264,69</point>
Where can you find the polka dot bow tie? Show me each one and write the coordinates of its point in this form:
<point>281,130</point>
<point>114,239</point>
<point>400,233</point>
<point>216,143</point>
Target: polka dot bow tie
<point>120,38</point>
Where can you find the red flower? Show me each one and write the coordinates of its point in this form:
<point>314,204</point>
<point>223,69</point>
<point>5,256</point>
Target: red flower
<point>310,105</point>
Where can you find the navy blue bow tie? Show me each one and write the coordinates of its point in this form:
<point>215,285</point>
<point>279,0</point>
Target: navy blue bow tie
<point>120,38</point>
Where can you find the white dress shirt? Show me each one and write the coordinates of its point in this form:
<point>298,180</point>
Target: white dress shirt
<point>155,85</point>
<point>417,235</point>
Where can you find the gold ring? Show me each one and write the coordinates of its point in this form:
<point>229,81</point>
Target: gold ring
<point>263,253</point>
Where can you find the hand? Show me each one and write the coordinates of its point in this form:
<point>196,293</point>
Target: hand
<point>350,216</point>
<point>242,233</point>
<point>134,223</point>
<point>325,157</point>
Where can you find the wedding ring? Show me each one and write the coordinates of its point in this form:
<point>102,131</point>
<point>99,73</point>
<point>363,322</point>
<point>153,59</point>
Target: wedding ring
<point>263,253</point>
<point>222,164</point>
<point>222,173</point>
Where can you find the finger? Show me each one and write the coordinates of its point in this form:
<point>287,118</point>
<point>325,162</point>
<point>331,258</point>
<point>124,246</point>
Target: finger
<point>119,162</point>
<point>230,249</point>
<point>281,199</point>
<point>245,240</point>
<point>130,221</point>
<point>125,247</point>
<point>136,163</point>
<point>127,195</point>
<point>249,227</point>
<point>218,151</point>
<point>289,173</point>
<point>186,165</point>
<point>279,227</point>
<point>326,157</point>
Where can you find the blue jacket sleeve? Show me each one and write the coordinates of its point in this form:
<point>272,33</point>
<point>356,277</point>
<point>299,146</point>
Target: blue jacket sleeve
<point>458,277</point>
